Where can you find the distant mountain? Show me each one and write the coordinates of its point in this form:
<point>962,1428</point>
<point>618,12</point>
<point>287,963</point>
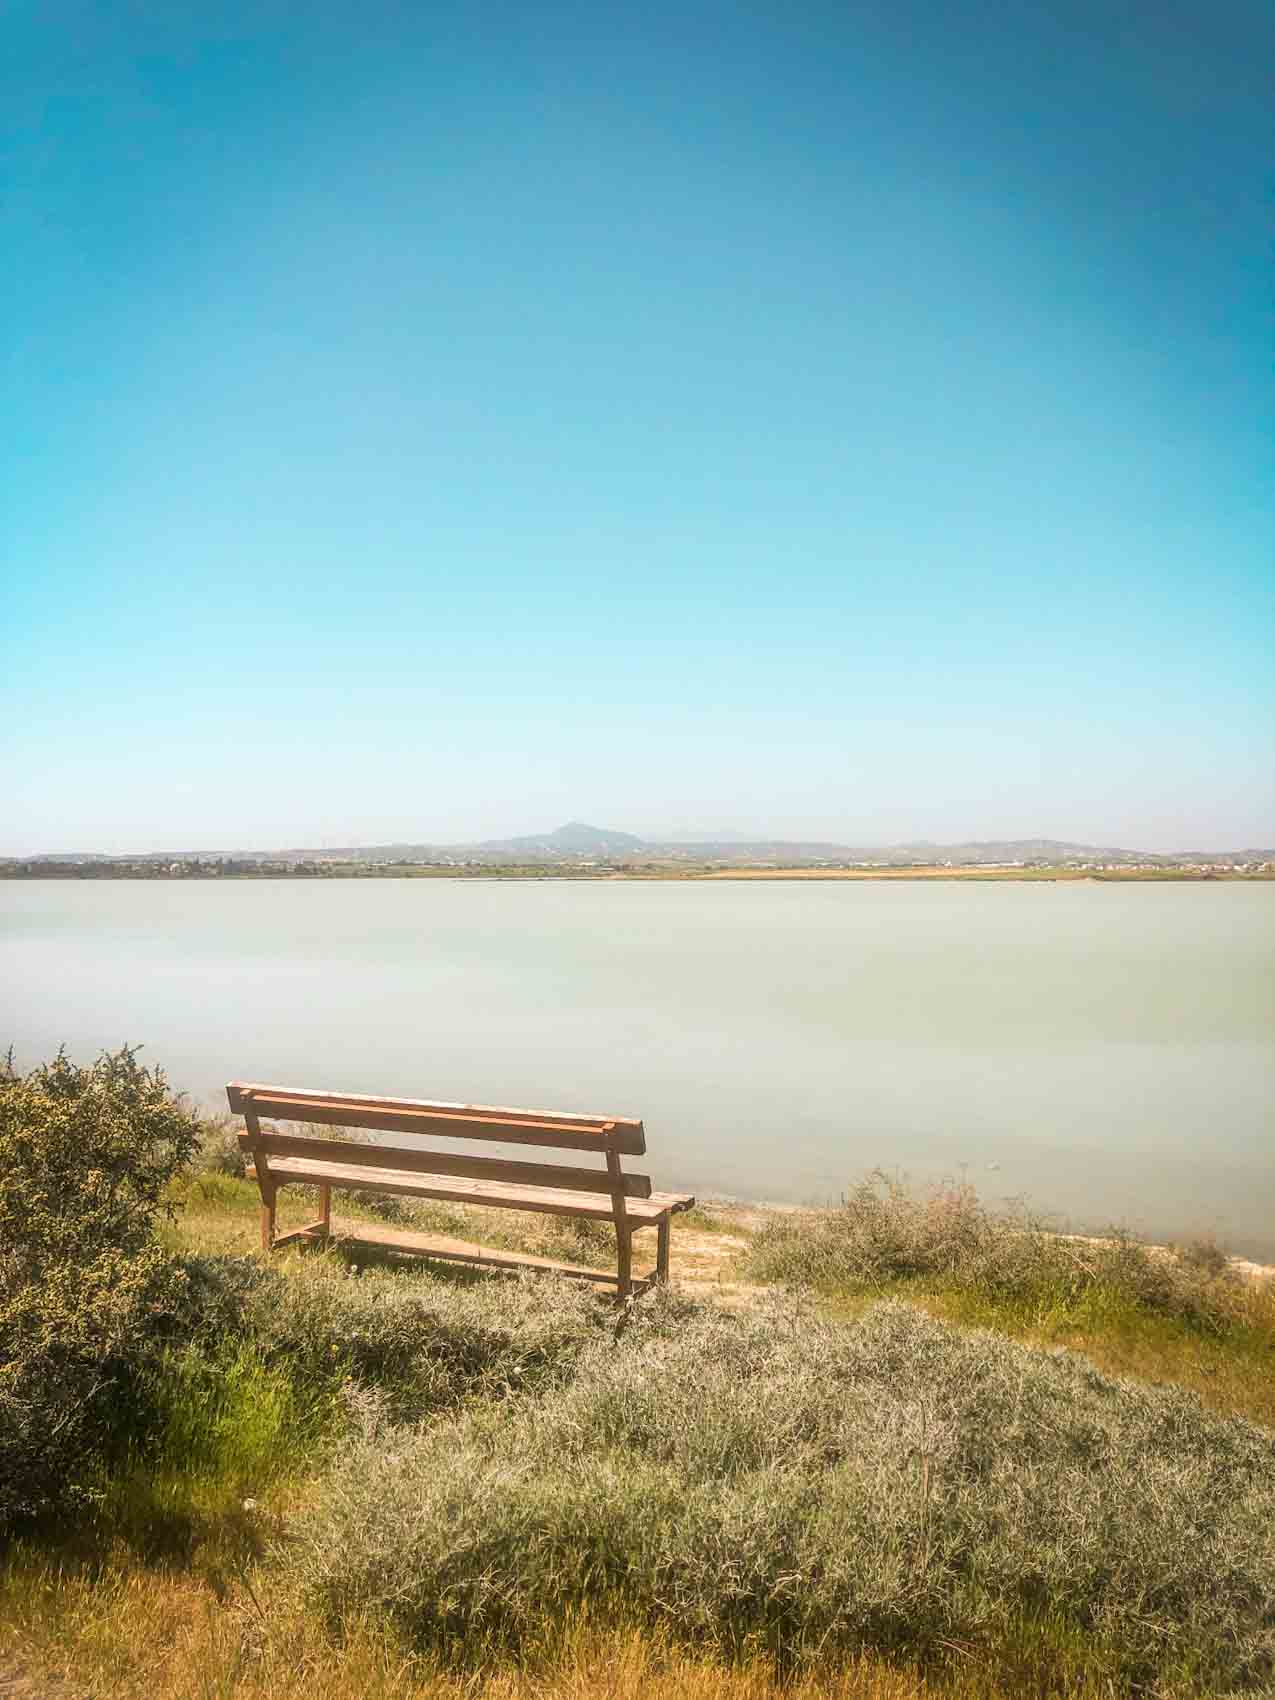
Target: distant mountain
<point>1027,850</point>
<point>577,841</point>
<point>576,838</point>
<point>62,856</point>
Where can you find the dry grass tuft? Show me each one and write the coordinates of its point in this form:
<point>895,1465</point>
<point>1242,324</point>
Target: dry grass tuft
<point>127,1634</point>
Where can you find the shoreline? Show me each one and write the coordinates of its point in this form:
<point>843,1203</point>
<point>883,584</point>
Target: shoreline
<point>751,1213</point>
<point>658,873</point>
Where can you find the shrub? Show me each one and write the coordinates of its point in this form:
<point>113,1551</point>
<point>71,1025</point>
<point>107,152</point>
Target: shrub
<point>218,1152</point>
<point>425,1344</point>
<point>781,1485</point>
<point>882,1233</point>
<point>86,1155</point>
<point>216,1295</point>
<point>1205,1255</point>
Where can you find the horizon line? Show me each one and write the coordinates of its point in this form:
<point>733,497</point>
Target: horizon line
<point>734,841</point>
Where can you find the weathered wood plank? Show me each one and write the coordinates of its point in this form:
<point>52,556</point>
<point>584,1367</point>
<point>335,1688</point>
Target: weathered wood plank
<point>265,1185</point>
<point>314,1233</point>
<point>443,1163</point>
<point>662,1250</point>
<point>553,1130</point>
<point>507,1111</point>
<point>623,1233</point>
<point>462,1251</point>
<point>548,1201</point>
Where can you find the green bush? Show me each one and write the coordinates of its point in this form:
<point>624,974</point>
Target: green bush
<point>782,1485</point>
<point>86,1155</point>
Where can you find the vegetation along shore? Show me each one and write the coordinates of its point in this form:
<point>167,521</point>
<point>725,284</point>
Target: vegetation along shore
<point>579,851</point>
<point>236,869</point>
<point>905,1447</point>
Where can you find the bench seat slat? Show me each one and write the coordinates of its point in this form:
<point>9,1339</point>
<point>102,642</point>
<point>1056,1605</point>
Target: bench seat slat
<point>451,1121</point>
<point>454,1189</point>
<point>441,1163</point>
<point>458,1251</point>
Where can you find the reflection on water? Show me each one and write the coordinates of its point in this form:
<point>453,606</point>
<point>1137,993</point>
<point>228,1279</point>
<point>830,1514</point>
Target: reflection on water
<point>1108,1051</point>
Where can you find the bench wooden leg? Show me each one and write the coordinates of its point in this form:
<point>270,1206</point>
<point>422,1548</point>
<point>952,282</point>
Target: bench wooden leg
<point>325,1212</point>
<point>662,1250</point>
<point>267,1217</point>
<point>624,1261</point>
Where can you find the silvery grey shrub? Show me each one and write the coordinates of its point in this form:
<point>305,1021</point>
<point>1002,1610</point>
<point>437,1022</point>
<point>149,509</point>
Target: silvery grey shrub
<point>883,1232</point>
<point>425,1344</point>
<point>783,1485</point>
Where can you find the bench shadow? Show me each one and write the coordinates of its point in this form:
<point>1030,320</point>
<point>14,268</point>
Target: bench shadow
<point>359,1256</point>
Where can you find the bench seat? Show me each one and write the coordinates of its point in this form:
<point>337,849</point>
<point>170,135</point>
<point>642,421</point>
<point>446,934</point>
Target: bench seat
<point>454,1189</point>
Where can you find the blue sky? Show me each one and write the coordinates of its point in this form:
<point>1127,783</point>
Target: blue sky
<point>440,421</point>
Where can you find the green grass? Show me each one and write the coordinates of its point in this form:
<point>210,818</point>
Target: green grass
<point>1232,1371</point>
<point>229,1417</point>
<point>227,1430</point>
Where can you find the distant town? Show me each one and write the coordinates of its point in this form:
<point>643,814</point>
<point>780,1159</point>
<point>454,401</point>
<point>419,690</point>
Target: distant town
<point>580,851</point>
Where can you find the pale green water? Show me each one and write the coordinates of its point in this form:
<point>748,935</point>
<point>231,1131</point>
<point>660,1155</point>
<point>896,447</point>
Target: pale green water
<point>1107,1050</point>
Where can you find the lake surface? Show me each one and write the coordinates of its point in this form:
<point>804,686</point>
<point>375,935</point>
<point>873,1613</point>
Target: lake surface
<point>1106,1050</point>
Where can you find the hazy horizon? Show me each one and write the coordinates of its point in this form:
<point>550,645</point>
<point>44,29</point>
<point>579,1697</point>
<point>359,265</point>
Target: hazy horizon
<point>849,422</point>
<point>725,836</point>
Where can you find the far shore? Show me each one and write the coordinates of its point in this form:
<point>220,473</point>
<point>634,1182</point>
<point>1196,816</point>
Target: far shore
<point>648,873</point>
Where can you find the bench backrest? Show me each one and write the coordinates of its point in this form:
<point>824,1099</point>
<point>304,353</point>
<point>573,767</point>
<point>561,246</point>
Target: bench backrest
<point>609,1137</point>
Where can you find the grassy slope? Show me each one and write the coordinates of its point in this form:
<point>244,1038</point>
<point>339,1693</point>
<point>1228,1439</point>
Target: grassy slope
<point>1234,1375</point>
<point>1186,1320</point>
<point>165,1596</point>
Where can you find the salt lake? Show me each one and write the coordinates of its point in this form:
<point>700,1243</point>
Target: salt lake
<point>1106,1050</point>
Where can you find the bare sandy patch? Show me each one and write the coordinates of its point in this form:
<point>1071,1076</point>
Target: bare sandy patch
<point>887,874</point>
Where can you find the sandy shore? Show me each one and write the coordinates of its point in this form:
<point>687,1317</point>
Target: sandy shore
<point>1029,874</point>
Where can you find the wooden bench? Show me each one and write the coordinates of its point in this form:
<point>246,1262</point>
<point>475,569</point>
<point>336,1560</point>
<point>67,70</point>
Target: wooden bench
<point>599,1194</point>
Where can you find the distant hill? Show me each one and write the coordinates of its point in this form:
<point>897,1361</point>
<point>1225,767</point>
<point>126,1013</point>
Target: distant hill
<point>577,841</point>
<point>574,839</point>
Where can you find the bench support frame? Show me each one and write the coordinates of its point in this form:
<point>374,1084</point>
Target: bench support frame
<point>623,1233</point>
